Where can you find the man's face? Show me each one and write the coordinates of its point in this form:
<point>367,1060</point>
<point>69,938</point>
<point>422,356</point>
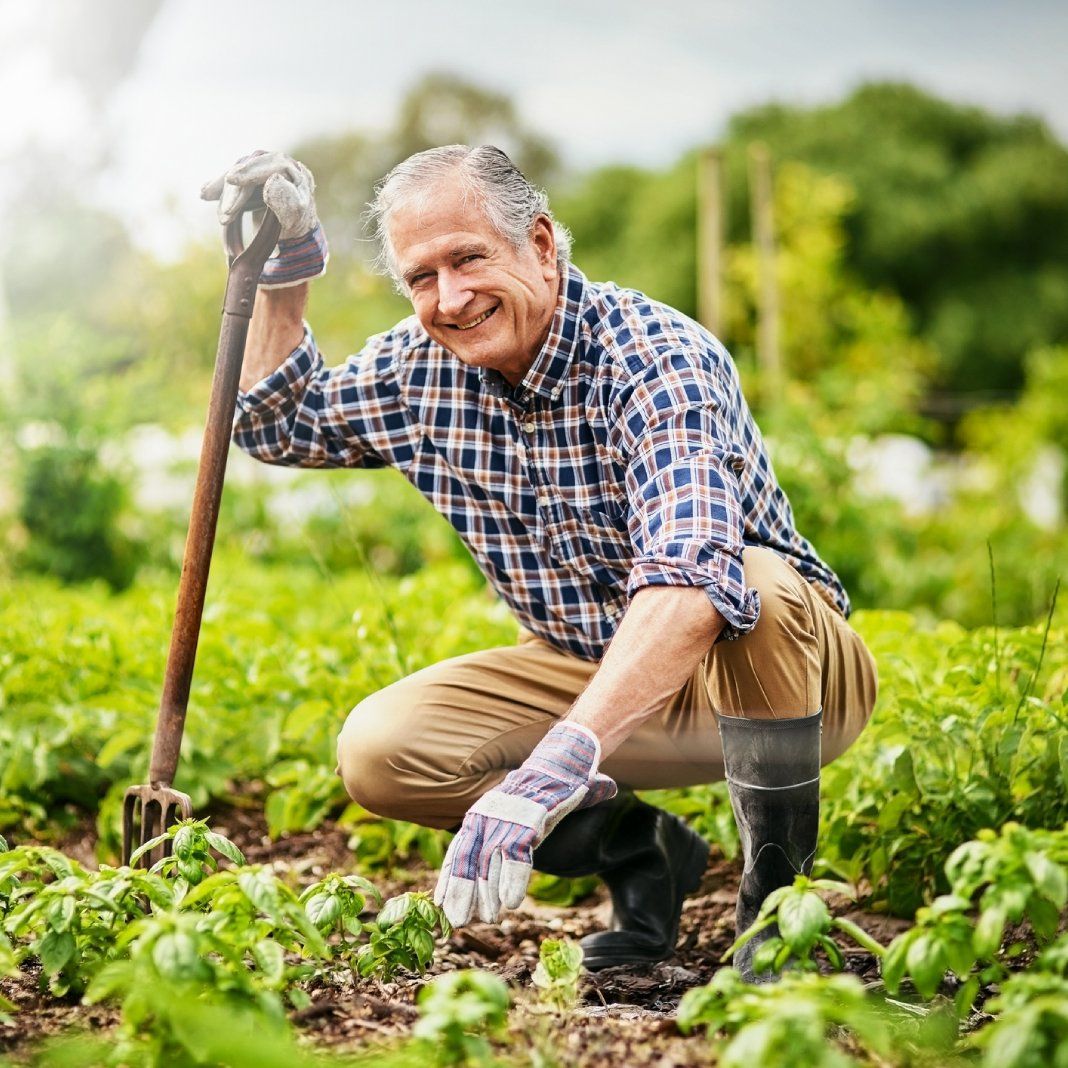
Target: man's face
<point>488,304</point>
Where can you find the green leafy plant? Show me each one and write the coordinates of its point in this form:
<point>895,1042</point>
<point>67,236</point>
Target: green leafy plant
<point>558,972</point>
<point>176,959</point>
<point>382,844</point>
<point>334,906</point>
<point>456,1013</point>
<point>71,508</point>
<point>804,925</point>
<point>8,967</point>
<point>988,711</point>
<point>1005,879</point>
<point>783,1024</point>
<point>261,917</point>
<point>74,923</point>
<point>193,849</point>
<point>402,936</point>
<point>1030,1029</point>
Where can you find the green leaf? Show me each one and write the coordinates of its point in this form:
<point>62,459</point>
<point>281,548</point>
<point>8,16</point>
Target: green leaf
<point>61,915</point>
<point>425,910</point>
<point>965,997</point>
<point>802,918</point>
<point>926,964</point>
<point>148,846</point>
<point>771,902</point>
<point>988,933</point>
<point>894,962</point>
<point>176,956</point>
<point>299,999</point>
<point>224,847</point>
<point>185,840</point>
<point>259,888</point>
<point>1045,918</point>
<point>767,954</point>
<point>270,959</point>
<point>833,951</point>
<point>55,950</point>
<point>422,944</point>
<point>394,910</point>
<point>1049,877</point>
<point>190,869</point>
<point>323,910</point>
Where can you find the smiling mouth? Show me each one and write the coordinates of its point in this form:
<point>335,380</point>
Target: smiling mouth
<point>478,320</point>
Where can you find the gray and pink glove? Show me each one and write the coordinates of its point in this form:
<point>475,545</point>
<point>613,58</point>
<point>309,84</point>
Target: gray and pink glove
<point>488,863</point>
<point>289,191</point>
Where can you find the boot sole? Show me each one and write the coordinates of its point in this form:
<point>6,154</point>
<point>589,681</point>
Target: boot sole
<point>635,952</point>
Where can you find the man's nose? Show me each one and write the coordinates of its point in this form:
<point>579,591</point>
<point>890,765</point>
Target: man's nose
<point>453,293</point>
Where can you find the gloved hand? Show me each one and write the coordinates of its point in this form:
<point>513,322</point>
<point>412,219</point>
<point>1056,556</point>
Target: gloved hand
<point>489,860</point>
<point>289,191</point>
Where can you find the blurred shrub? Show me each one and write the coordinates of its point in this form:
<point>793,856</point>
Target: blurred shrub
<point>341,520</point>
<point>71,508</point>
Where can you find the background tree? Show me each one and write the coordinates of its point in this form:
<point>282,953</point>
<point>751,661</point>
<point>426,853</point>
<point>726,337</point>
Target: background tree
<point>963,213</point>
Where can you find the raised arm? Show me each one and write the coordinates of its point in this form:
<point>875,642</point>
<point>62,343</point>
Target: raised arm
<point>277,328</point>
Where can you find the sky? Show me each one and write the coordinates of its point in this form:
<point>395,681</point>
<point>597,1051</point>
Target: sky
<point>162,111</point>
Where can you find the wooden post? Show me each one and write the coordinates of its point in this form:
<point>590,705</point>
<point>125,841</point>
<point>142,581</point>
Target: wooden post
<point>769,355</point>
<point>710,227</point>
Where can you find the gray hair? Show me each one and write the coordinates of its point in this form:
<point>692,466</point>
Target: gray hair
<point>509,201</point>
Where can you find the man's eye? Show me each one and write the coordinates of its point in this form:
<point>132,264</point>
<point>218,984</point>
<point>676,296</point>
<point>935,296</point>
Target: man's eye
<point>474,256</point>
<point>418,280</point>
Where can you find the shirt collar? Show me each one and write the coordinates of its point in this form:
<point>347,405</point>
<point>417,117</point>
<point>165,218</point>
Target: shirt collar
<point>550,367</point>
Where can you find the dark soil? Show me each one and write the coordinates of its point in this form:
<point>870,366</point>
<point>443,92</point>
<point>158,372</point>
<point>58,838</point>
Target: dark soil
<point>625,1014</point>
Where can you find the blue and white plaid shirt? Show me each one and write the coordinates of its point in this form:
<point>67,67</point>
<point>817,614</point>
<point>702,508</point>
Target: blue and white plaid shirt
<point>627,457</point>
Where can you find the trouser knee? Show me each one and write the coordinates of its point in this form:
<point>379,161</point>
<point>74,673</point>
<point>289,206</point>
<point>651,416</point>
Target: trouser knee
<point>366,757</point>
<point>775,669</point>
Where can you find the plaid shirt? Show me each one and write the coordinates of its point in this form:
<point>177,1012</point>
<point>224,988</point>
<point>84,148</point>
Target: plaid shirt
<point>627,457</point>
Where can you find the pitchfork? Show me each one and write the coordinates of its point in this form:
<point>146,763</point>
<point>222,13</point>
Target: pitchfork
<point>150,809</point>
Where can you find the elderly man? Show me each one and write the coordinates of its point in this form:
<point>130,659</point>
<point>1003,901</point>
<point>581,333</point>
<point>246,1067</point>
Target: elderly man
<point>593,449</point>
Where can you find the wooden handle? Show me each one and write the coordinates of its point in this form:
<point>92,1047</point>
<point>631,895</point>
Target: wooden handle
<point>245,269</point>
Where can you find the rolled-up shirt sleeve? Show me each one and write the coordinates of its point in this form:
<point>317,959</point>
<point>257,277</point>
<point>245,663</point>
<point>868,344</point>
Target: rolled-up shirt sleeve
<point>686,519</point>
<point>307,415</point>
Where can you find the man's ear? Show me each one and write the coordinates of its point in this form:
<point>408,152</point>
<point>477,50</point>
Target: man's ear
<point>544,238</point>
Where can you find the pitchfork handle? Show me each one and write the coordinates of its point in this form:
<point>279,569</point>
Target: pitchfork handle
<point>246,264</point>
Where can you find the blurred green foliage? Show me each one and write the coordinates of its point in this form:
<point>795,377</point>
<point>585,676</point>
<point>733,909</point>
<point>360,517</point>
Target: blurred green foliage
<point>287,649</point>
<point>962,213</point>
<point>71,507</point>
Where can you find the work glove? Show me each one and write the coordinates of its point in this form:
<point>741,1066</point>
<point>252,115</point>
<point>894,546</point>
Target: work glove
<point>289,191</point>
<point>488,863</point>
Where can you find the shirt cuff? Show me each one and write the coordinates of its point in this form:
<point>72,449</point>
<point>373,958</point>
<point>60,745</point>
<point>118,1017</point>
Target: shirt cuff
<point>278,393</point>
<point>738,604</point>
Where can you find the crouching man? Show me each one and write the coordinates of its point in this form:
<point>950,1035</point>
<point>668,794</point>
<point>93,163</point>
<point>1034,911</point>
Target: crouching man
<point>594,450</point>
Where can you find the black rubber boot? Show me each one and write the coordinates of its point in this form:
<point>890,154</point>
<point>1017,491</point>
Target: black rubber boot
<point>650,861</point>
<point>773,777</point>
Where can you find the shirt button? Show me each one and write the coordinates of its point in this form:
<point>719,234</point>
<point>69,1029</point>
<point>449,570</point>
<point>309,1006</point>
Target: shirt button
<point>543,502</point>
<point>528,426</point>
<point>555,393</point>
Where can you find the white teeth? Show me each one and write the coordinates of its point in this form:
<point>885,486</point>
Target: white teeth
<point>474,322</point>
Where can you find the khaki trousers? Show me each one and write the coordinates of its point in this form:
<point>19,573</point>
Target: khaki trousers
<point>427,747</point>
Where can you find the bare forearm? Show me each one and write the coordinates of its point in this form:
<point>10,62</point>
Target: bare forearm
<point>663,637</point>
<point>276,329</point>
